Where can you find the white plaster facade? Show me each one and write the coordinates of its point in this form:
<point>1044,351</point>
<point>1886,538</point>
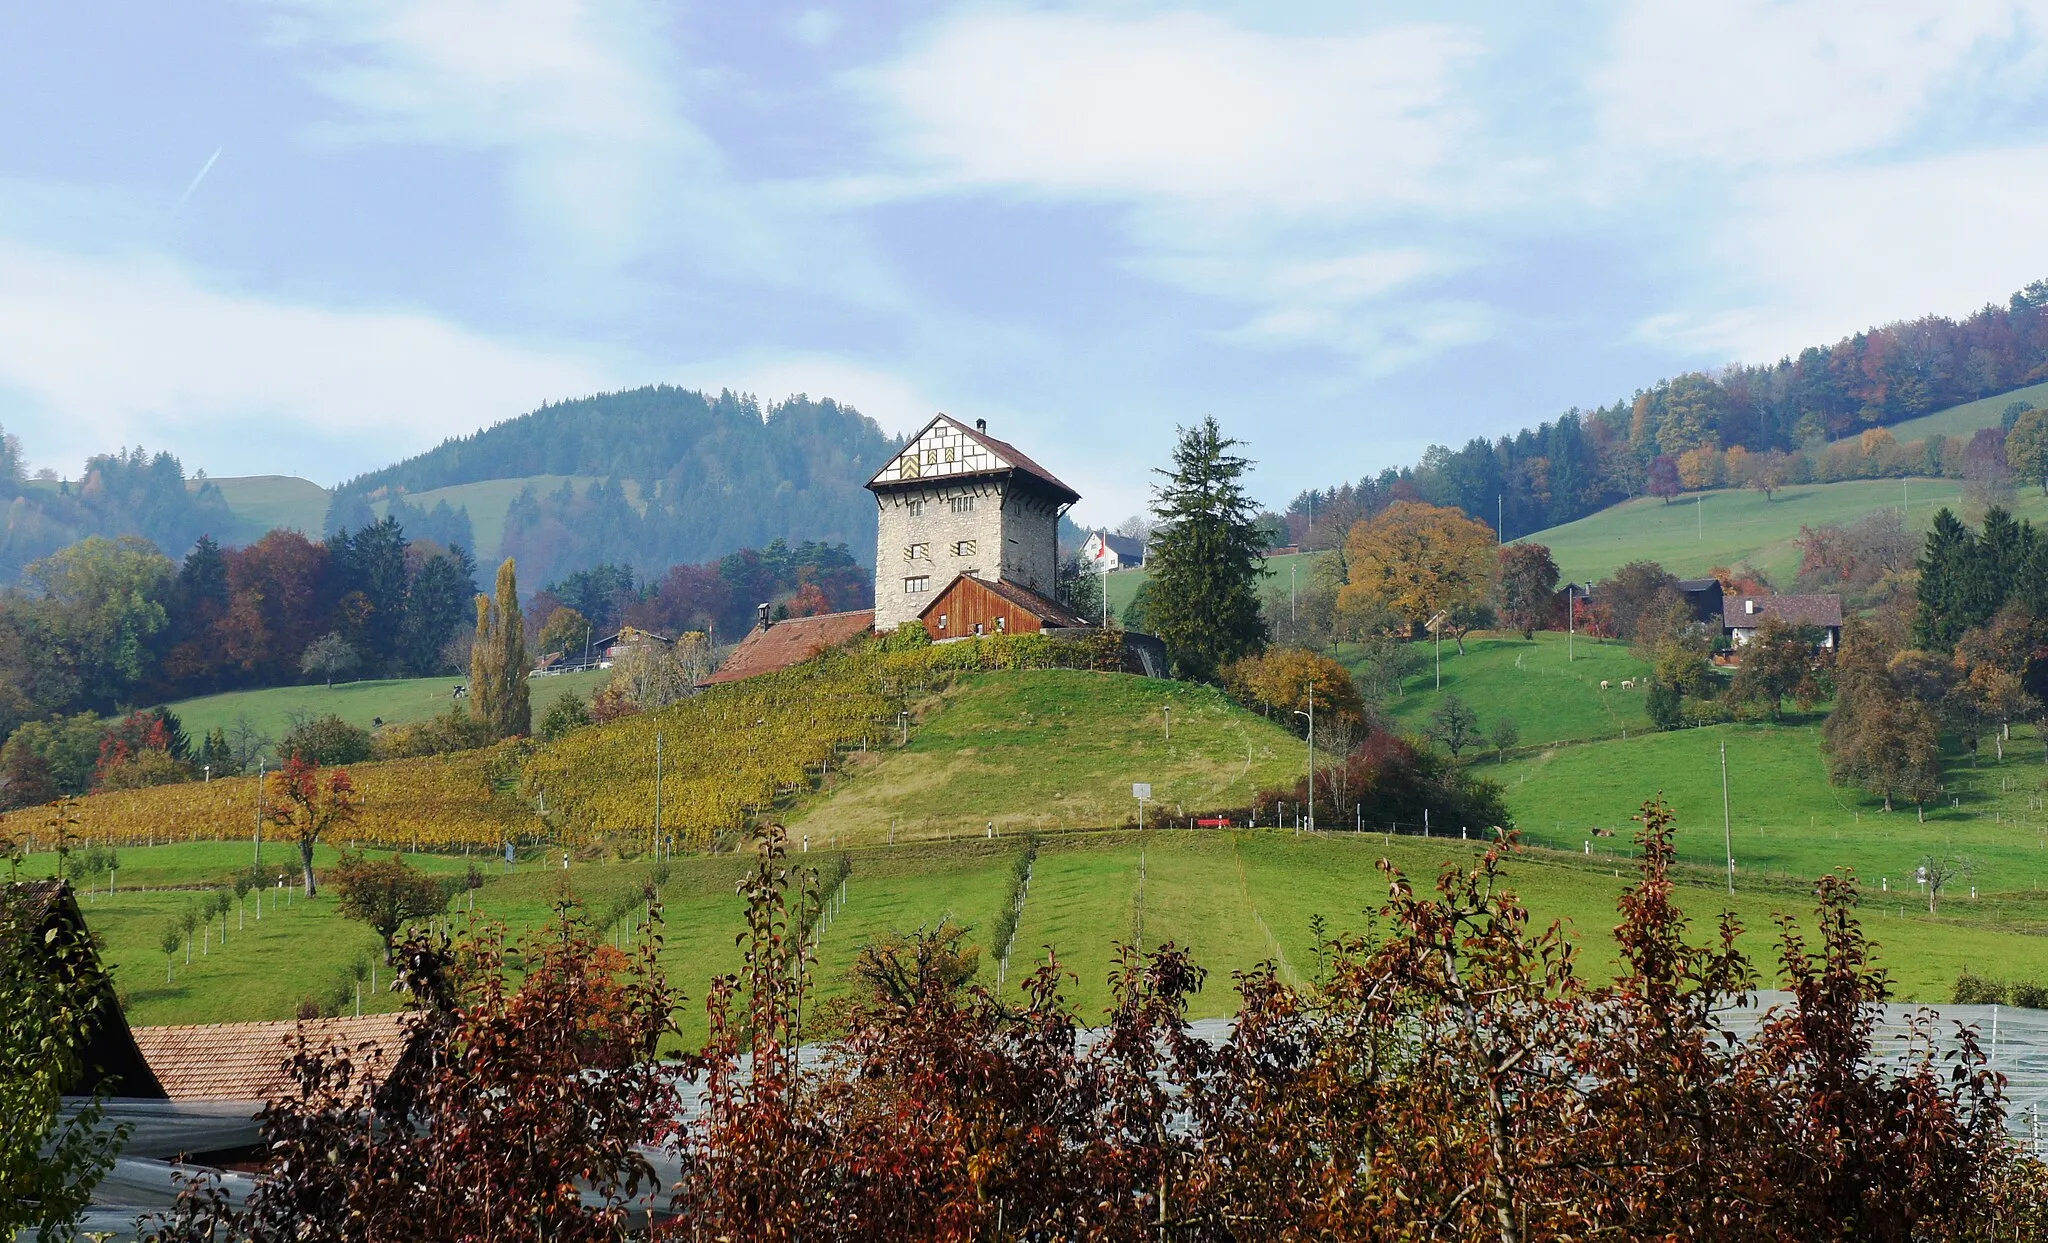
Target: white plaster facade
<point>956,502</point>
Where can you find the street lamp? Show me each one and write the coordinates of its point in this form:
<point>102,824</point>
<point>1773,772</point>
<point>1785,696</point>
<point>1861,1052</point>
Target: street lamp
<point>1311,715</point>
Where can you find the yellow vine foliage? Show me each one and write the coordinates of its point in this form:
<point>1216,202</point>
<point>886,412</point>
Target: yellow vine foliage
<point>728,753</point>
<point>433,802</point>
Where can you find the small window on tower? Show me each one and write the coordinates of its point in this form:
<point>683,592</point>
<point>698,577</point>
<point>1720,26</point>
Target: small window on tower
<point>916,583</point>
<point>963,504</point>
<point>963,548</point>
<point>917,509</point>
<point>918,552</point>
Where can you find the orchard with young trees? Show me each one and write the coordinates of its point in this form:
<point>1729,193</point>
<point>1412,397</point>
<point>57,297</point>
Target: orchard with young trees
<point>1454,1075</point>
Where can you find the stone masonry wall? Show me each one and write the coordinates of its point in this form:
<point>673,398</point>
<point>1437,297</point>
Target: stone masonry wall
<point>1015,536</point>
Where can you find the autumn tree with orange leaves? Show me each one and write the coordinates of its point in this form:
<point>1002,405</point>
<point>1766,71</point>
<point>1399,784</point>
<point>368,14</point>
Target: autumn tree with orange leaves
<point>1414,559</point>
<point>307,808</point>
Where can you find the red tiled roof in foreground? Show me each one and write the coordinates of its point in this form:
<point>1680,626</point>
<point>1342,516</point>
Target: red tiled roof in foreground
<point>246,1061</point>
<point>791,642</point>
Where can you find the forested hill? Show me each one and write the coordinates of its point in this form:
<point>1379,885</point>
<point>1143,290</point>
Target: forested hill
<point>1729,427</point>
<point>661,476</point>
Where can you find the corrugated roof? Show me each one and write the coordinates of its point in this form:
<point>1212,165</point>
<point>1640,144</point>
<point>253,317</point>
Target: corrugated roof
<point>1019,461</point>
<point>1050,613</point>
<point>791,642</point>
<point>1812,610</point>
<point>246,1061</point>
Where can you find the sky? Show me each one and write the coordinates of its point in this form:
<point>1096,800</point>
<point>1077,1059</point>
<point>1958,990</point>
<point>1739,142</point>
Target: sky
<point>313,236</point>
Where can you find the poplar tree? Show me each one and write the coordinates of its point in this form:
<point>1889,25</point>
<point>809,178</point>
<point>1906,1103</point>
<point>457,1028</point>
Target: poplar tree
<point>498,693</point>
<point>1206,556</point>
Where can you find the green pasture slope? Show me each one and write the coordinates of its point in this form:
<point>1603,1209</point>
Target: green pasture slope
<point>1549,685</point>
<point>395,701</point>
<point>1966,419</point>
<point>487,501</point>
<point>1123,585</point>
<point>1053,749</point>
<point>1728,526</point>
<point>1784,816</point>
<point>264,503</point>
<point>1234,898</point>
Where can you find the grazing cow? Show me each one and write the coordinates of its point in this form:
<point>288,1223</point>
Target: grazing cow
<point>1628,684</point>
<point>1603,684</point>
<point>1600,832</point>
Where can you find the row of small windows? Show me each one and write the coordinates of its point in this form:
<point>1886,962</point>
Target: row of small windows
<point>959,505</point>
<point>1002,626</point>
<point>922,551</point>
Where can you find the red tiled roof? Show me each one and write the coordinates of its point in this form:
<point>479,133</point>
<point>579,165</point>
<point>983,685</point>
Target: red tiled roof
<point>1018,460</point>
<point>1812,610</point>
<point>791,642</point>
<point>246,1061</point>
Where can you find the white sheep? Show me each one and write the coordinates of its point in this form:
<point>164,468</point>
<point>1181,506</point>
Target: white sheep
<point>1603,684</point>
<point>1628,684</point>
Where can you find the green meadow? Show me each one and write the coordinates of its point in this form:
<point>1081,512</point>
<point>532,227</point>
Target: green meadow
<point>1234,898</point>
<point>394,701</point>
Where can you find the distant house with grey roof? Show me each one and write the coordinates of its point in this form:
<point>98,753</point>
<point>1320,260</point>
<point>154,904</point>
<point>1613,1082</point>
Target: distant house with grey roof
<point>1741,616</point>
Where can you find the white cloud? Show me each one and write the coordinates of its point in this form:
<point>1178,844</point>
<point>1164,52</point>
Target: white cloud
<point>1174,107</point>
<point>105,351</point>
<point>815,27</point>
<point>1818,254</point>
<point>580,97</point>
<point>1782,82</point>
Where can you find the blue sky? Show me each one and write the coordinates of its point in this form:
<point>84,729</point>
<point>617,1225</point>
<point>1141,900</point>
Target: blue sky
<point>1346,230</point>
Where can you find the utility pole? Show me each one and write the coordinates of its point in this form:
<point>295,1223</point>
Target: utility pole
<point>258,860</point>
<point>657,792</point>
<point>1311,715</point>
<point>1699,521</point>
<point>1571,620</point>
<point>1727,827</point>
<point>1293,581</point>
<point>1500,518</point>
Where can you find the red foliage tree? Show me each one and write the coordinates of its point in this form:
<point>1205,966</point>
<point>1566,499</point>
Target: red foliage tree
<point>306,809</point>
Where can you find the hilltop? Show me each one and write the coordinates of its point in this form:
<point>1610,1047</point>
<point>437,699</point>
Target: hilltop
<point>650,477</point>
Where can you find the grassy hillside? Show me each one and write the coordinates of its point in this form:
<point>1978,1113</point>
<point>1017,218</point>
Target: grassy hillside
<point>396,701</point>
<point>487,503</point>
<point>1234,898</point>
<point>1124,584</point>
<point>1967,418</point>
<point>266,502</point>
<point>1549,685</point>
<point>1783,814</point>
<point>1051,749</point>
<point>1723,527</point>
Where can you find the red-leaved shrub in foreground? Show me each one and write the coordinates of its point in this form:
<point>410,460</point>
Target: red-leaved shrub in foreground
<point>1449,1076</point>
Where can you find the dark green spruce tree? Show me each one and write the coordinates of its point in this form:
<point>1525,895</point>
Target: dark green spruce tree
<point>1946,570</point>
<point>1205,556</point>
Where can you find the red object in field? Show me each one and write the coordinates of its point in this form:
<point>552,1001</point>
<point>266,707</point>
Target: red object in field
<point>1216,822</point>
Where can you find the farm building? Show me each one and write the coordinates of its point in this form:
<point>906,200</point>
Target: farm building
<point>1107,551</point>
<point>1742,615</point>
<point>970,606</point>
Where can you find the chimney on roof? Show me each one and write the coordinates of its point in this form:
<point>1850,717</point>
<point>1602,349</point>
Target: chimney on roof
<point>981,425</point>
<point>761,612</point>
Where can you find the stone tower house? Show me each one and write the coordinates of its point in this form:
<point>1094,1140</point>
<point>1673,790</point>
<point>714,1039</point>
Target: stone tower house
<point>958,501</point>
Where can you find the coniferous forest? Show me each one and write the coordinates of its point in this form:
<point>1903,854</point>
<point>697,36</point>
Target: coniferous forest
<point>673,477</point>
